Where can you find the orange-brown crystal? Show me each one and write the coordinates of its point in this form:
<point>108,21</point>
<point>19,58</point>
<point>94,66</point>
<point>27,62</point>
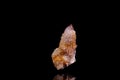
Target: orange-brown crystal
<point>64,55</point>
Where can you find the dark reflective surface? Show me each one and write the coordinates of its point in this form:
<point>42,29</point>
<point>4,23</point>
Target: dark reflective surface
<point>64,77</point>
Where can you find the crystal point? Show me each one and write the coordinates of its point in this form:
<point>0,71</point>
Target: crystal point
<point>64,55</point>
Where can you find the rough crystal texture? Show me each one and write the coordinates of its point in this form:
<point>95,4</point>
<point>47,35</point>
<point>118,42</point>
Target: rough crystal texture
<point>64,55</point>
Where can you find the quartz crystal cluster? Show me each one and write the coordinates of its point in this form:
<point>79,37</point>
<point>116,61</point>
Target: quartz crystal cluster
<point>64,55</point>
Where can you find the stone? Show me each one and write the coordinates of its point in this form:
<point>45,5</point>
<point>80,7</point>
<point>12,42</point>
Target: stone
<point>64,55</point>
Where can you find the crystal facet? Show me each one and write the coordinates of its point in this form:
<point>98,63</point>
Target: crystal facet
<point>64,55</point>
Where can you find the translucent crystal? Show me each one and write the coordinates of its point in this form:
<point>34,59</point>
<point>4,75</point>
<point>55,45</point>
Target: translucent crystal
<point>64,55</point>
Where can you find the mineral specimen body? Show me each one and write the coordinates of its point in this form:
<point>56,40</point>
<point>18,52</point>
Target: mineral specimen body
<point>64,55</point>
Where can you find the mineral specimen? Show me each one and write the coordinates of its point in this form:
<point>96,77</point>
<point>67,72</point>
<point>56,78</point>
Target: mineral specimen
<point>64,55</point>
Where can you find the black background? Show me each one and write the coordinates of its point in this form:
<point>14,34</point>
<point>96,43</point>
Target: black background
<point>36,33</point>
<point>43,36</point>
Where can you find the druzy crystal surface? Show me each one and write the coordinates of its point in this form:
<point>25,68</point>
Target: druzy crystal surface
<point>64,55</point>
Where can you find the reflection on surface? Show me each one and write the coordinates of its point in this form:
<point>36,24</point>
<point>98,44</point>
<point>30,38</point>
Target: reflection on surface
<point>64,77</point>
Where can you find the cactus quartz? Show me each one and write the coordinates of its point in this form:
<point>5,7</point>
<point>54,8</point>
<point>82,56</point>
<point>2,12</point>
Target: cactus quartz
<point>64,55</point>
